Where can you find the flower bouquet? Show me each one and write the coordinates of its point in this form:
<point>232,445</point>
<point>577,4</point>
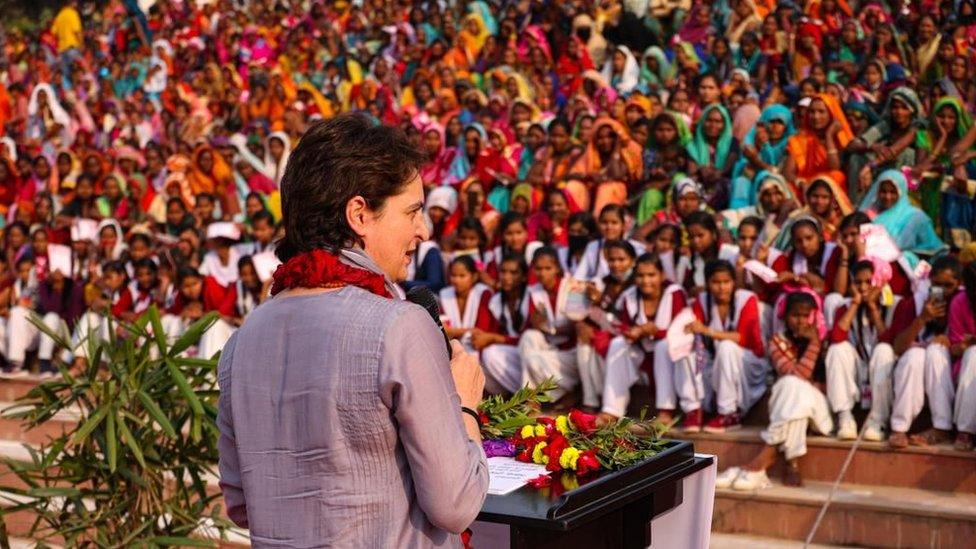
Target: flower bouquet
<point>566,443</point>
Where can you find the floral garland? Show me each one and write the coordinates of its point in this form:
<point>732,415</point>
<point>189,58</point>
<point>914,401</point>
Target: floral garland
<point>571,443</point>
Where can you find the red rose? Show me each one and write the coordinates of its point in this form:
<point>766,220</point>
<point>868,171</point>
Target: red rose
<point>583,422</point>
<point>587,462</point>
<point>548,423</point>
<point>483,418</point>
<point>554,449</point>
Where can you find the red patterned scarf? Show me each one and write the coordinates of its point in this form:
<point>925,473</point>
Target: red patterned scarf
<point>322,269</point>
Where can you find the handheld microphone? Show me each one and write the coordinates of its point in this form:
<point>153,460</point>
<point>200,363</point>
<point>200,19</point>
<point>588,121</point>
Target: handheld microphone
<point>421,295</point>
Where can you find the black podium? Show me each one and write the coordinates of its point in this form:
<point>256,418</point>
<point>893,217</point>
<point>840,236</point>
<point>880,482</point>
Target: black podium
<point>611,510</point>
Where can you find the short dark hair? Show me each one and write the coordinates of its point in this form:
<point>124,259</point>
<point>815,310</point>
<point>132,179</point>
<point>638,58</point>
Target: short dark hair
<point>336,160</point>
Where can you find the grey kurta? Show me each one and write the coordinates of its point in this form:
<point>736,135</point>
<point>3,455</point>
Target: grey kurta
<point>340,426</point>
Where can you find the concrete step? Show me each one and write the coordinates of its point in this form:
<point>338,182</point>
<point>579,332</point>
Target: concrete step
<point>746,541</point>
<point>934,468</point>
<point>868,516</point>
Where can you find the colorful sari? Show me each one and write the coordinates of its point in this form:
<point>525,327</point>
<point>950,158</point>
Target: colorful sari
<point>808,151</point>
<point>745,189</point>
<point>909,227</point>
<point>610,191</point>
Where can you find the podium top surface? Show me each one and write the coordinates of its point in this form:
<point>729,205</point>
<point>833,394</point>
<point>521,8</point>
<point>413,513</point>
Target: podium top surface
<point>558,508</point>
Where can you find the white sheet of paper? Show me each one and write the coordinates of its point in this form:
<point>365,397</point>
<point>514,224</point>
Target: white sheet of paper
<point>878,243</point>
<point>680,344</point>
<point>766,274</point>
<point>505,474</point>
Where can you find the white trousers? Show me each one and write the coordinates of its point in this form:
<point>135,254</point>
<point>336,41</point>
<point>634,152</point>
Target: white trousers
<point>591,372</point>
<point>734,375</point>
<point>794,405</point>
<point>213,340</point>
<point>921,372</point>
<point>965,410</point>
<point>502,365</point>
<point>23,335</point>
<point>90,325</point>
<point>542,360</point>
<point>846,373</point>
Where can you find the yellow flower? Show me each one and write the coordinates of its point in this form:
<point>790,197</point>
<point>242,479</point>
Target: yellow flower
<point>540,430</point>
<point>569,481</point>
<point>527,432</point>
<point>562,425</point>
<point>568,458</point>
<point>538,456</point>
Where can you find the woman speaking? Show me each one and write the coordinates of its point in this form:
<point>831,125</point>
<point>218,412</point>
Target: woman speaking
<point>340,414</point>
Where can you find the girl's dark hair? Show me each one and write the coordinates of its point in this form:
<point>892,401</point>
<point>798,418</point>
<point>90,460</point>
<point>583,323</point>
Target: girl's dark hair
<point>795,299</point>
<point>627,247</point>
<point>716,266</point>
<point>336,160</point>
<point>854,219</point>
<point>563,123</point>
<point>467,262</point>
<point>146,263</point>
<point>510,218</point>
<point>615,209</point>
<point>186,272</point>
<point>474,224</point>
<point>517,292</point>
<point>176,200</point>
<point>519,261</point>
<point>752,221</point>
<point>245,261</point>
<point>675,232</point>
<point>114,267</point>
<point>140,237</point>
<point>550,252</point>
<point>947,263</point>
<point>704,219</point>
<point>862,265</point>
<point>586,219</point>
<point>969,283</point>
<point>650,258</point>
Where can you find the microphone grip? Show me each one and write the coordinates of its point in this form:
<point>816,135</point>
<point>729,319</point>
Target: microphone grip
<point>421,295</point>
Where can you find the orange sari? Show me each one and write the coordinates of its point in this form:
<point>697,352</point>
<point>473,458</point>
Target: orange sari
<point>589,163</point>
<point>809,153</point>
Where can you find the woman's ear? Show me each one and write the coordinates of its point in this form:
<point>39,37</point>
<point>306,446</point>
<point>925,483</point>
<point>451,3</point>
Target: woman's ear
<point>358,215</point>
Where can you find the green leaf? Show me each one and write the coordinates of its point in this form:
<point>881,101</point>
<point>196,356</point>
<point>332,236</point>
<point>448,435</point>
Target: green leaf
<point>169,541</point>
<point>89,425</point>
<point>184,387</point>
<point>157,328</point>
<point>111,443</point>
<point>130,441</point>
<point>192,334</point>
<point>53,492</point>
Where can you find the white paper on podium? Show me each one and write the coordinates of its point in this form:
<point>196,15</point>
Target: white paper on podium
<point>680,344</point>
<point>765,274</point>
<point>506,475</point>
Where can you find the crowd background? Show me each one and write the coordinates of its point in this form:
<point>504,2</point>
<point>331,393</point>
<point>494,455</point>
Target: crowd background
<point>796,176</point>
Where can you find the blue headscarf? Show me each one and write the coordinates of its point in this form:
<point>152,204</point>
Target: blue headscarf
<point>698,147</point>
<point>909,227</point>
<point>461,166</point>
<point>745,192</point>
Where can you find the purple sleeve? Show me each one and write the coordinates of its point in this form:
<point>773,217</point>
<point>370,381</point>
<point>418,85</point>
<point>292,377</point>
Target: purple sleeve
<point>450,471</point>
<point>961,321</point>
<point>229,462</point>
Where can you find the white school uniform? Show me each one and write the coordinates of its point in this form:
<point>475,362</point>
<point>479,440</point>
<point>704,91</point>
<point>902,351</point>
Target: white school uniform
<point>694,266</point>
<point>502,362</point>
<point>593,264</point>
<point>545,355</point>
<point>466,319</point>
<point>624,359</point>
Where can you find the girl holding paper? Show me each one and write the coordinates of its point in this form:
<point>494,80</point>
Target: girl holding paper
<point>732,365</point>
<point>796,402</point>
<point>645,310</point>
<point>547,348</point>
<point>593,333</point>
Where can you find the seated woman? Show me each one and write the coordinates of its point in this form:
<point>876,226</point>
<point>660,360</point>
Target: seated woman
<point>812,261</point>
<point>962,338</point>
<point>776,203</point>
<point>513,231</point>
<point>593,333</point>
<point>464,302</point>
<point>715,152</point>
<point>816,148</point>
<point>827,202</point>
<point>687,197</point>
<point>860,353</point>
<point>548,347</point>
<point>645,311</point>
<point>705,245</point>
<point>887,203</point>
<point>611,164</point>
<point>733,365</point>
<point>665,156</point>
<point>851,243</point>
<point>891,143</point>
<point>763,150</point>
<point>509,309</point>
<point>612,225</point>
<point>796,403</point>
